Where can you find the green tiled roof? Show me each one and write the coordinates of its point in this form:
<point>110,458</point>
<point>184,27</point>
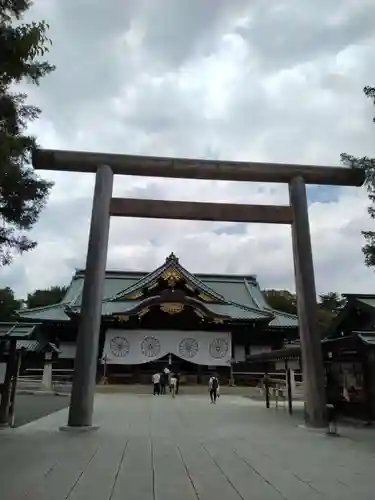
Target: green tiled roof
<point>368,301</point>
<point>367,338</point>
<point>283,320</point>
<point>237,311</point>
<point>55,312</point>
<point>9,331</point>
<point>36,346</point>
<point>115,283</point>
<point>238,296</point>
<point>109,307</point>
<point>364,298</point>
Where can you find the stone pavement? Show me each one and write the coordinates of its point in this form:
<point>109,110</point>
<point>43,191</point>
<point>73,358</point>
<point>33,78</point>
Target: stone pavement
<point>184,449</point>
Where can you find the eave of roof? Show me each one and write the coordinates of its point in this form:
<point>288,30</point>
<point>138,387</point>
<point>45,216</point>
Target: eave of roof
<point>291,352</point>
<point>17,330</point>
<point>36,346</point>
<point>234,310</point>
<point>53,312</point>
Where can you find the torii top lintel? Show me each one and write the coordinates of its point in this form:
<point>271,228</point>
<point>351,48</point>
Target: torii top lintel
<point>152,166</point>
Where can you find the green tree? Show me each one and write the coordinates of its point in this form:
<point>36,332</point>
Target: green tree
<point>368,165</point>
<point>331,301</point>
<point>281,300</point>
<point>47,297</point>
<point>22,193</point>
<point>8,304</point>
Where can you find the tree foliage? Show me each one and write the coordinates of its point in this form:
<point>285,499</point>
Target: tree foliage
<point>281,300</point>
<point>8,304</point>
<point>47,297</point>
<point>329,305</point>
<point>368,165</point>
<point>22,193</point>
<point>332,301</point>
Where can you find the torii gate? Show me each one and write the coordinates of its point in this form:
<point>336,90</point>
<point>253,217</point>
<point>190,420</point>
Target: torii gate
<point>106,165</point>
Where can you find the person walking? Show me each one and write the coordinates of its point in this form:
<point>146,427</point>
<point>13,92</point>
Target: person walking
<point>177,383</point>
<point>213,387</point>
<point>156,382</point>
<point>173,385</point>
<point>163,382</point>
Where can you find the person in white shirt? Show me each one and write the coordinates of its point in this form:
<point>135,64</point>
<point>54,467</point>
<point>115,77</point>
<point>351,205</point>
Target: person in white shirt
<point>213,387</point>
<point>156,382</point>
<point>173,383</point>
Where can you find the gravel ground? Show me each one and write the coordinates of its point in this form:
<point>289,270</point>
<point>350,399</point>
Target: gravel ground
<point>30,407</point>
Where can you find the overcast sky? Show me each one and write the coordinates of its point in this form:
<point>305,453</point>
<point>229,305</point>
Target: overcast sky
<point>275,80</point>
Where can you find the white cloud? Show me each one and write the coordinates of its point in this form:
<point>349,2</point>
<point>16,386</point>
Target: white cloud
<point>280,81</point>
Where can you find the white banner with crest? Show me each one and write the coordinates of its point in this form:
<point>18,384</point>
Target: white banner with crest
<point>134,347</point>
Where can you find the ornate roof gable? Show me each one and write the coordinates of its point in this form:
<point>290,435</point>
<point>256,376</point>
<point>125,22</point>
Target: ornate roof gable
<point>172,272</point>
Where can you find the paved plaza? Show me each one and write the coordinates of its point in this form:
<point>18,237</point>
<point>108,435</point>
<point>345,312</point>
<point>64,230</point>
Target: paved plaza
<point>184,449</point>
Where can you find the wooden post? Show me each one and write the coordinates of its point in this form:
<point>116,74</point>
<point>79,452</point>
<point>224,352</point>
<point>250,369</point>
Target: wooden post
<point>267,389</point>
<point>85,365</point>
<point>289,387</point>
<point>366,368</point>
<point>105,379</point>
<point>47,372</point>
<point>313,368</point>
<point>12,403</point>
<point>5,396</point>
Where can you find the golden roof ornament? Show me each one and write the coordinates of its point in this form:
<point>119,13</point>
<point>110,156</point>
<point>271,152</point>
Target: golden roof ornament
<point>172,258</point>
<point>143,312</point>
<point>135,295</point>
<point>171,275</point>
<point>204,297</point>
<point>172,307</point>
<point>122,318</point>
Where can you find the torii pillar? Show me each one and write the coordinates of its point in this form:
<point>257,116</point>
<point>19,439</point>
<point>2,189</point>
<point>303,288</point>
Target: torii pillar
<point>85,365</point>
<point>311,349</point>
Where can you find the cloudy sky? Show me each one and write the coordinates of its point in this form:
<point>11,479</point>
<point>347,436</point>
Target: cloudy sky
<point>275,80</point>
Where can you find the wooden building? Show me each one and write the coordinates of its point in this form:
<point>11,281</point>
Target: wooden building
<point>194,323</point>
<point>349,358</point>
<point>349,355</point>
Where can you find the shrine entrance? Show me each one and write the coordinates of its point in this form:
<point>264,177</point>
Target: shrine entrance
<point>296,214</point>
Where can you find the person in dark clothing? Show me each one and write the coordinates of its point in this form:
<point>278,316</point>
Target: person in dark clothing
<point>156,382</point>
<point>163,383</point>
<point>213,387</point>
<point>177,382</point>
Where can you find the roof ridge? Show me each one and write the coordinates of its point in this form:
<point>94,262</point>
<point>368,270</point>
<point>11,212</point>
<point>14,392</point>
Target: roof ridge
<point>43,308</point>
<point>171,261</point>
<point>79,293</point>
<point>247,308</point>
<point>283,313</point>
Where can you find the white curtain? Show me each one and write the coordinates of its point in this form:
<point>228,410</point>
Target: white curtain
<point>133,347</point>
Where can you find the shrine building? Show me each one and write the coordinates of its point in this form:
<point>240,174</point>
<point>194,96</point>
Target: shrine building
<point>193,323</point>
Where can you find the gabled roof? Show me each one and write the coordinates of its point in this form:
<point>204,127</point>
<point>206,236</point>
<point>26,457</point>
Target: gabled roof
<point>348,314</point>
<point>239,295</point>
<point>171,269</point>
